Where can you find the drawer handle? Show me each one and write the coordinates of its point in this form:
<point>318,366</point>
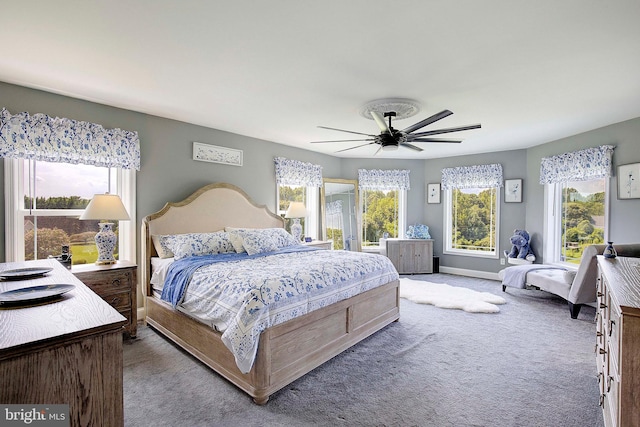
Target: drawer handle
<point>613,323</point>
<point>602,351</point>
<point>609,381</point>
<point>599,334</point>
<point>603,305</point>
<point>116,282</point>
<point>114,300</point>
<point>600,294</point>
<point>601,400</point>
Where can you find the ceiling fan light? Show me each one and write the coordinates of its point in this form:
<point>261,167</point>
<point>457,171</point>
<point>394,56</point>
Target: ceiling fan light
<point>389,147</point>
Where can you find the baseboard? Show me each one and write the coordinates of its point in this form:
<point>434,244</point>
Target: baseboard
<point>470,273</point>
<point>141,313</point>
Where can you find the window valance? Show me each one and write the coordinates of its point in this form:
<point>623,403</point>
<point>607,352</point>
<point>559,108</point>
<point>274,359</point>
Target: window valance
<point>60,140</point>
<point>383,180</point>
<point>478,176</point>
<point>334,208</point>
<point>295,172</point>
<point>582,165</point>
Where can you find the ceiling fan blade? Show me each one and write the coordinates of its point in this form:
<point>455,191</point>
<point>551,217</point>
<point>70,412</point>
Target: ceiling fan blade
<point>342,130</point>
<point>447,130</point>
<point>428,121</point>
<point>342,140</point>
<point>380,121</point>
<point>351,148</point>
<point>413,147</point>
<point>450,141</point>
<point>378,150</point>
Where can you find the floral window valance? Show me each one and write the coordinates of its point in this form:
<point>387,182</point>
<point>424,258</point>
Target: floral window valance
<point>295,172</point>
<point>60,140</point>
<point>478,176</point>
<point>582,165</point>
<point>383,180</point>
<point>334,208</point>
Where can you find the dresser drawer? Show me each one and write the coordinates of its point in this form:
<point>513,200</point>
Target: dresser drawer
<point>108,282</point>
<point>120,301</point>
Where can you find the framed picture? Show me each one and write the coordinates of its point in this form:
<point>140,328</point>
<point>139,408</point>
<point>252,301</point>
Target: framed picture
<point>433,193</point>
<point>512,190</point>
<point>628,184</point>
<point>216,154</point>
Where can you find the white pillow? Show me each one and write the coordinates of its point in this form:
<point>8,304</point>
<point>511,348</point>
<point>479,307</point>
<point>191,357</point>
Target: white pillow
<point>196,244</point>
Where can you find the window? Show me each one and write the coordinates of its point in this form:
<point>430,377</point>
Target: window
<point>576,203</point>
<point>383,200</point>
<point>471,220</point>
<point>472,215</point>
<point>306,195</point>
<point>299,182</point>
<point>383,215</point>
<point>580,220</point>
<point>45,200</point>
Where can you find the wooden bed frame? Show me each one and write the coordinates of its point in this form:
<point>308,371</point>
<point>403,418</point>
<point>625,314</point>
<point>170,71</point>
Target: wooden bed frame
<point>286,351</point>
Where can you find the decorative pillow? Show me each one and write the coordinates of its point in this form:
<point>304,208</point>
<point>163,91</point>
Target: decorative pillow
<point>259,240</point>
<point>163,245</point>
<point>196,244</point>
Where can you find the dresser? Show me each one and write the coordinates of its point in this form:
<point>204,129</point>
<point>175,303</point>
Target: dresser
<point>116,284</point>
<point>411,256</point>
<point>63,351</point>
<point>618,340</point>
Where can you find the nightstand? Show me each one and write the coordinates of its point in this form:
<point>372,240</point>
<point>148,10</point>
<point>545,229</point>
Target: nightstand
<point>322,244</point>
<point>116,284</point>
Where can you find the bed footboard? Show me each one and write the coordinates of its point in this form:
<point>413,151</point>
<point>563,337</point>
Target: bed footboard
<point>286,351</point>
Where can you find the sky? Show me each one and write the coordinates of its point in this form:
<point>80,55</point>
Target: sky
<point>61,179</point>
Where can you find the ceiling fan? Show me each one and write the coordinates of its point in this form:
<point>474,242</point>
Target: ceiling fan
<point>391,138</point>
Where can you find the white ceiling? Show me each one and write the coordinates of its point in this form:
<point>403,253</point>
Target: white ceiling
<point>529,71</point>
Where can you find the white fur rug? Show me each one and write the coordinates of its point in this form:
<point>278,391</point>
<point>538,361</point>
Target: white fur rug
<point>445,296</point>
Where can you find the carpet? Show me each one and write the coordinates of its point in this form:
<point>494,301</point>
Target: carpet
<point>445,296</point>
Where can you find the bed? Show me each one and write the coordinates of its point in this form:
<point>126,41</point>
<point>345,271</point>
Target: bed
<point>285,351</point>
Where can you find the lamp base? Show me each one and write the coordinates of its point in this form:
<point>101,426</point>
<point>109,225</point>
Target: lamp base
<point>296,229</point>
<point>106,243</point>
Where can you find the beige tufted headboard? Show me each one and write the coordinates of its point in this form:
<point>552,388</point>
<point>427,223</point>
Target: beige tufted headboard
<point>211,208</point>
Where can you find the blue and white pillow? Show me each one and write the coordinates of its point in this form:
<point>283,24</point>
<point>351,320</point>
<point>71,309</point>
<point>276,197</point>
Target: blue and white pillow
<point>193,244</point>
<point>259,240</point>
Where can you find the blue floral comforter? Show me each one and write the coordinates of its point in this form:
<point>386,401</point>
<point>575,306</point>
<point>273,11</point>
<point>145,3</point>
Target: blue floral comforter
<point>242,295</point>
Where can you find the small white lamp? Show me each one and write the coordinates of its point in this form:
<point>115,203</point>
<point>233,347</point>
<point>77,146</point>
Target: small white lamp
<point>296,211</point>
<point>105,207</point>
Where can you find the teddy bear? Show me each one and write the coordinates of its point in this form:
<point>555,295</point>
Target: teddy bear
<point>521,247</point>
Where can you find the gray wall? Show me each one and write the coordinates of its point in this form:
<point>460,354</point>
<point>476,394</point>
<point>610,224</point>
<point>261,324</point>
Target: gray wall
<point>168,172</point>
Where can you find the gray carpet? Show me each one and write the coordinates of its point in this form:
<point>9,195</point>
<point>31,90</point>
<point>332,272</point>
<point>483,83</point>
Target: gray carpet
<point>529,365</point>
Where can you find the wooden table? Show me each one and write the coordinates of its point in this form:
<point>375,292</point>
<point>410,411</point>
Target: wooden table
<point>63,352</point>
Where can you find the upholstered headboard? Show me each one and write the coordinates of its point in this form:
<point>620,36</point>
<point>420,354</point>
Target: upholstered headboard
<point>211,208</point>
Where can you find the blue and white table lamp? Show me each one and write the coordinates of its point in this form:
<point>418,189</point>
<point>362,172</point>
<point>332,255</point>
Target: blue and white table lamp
<point>106,207</point>
<point>296,211</point>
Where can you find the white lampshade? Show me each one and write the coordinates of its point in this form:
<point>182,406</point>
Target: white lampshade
<point>296,210</point>
<point>105,206</point>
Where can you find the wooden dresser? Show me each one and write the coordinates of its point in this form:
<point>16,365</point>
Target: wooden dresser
<point>411,256</point>
<point>68,351</point>
<point>116,284</point>
<point>618,340</point>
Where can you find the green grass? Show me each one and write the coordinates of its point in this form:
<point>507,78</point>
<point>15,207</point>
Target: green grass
<point>84,254</point>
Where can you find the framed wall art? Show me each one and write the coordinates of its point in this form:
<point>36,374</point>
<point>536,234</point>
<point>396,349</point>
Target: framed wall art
<point>216,154</point>
<point>512,190</point>
<point>628,185</point>
<point>433,193</point>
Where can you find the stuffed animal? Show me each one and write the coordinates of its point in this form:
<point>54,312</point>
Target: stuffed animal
<point>521,247</point>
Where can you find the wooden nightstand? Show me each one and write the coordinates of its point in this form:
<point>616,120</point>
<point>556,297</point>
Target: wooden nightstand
<point>116,284</point>
<point>322,244</point>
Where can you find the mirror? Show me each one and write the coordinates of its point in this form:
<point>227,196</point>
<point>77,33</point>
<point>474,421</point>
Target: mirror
<point>340,213</point>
